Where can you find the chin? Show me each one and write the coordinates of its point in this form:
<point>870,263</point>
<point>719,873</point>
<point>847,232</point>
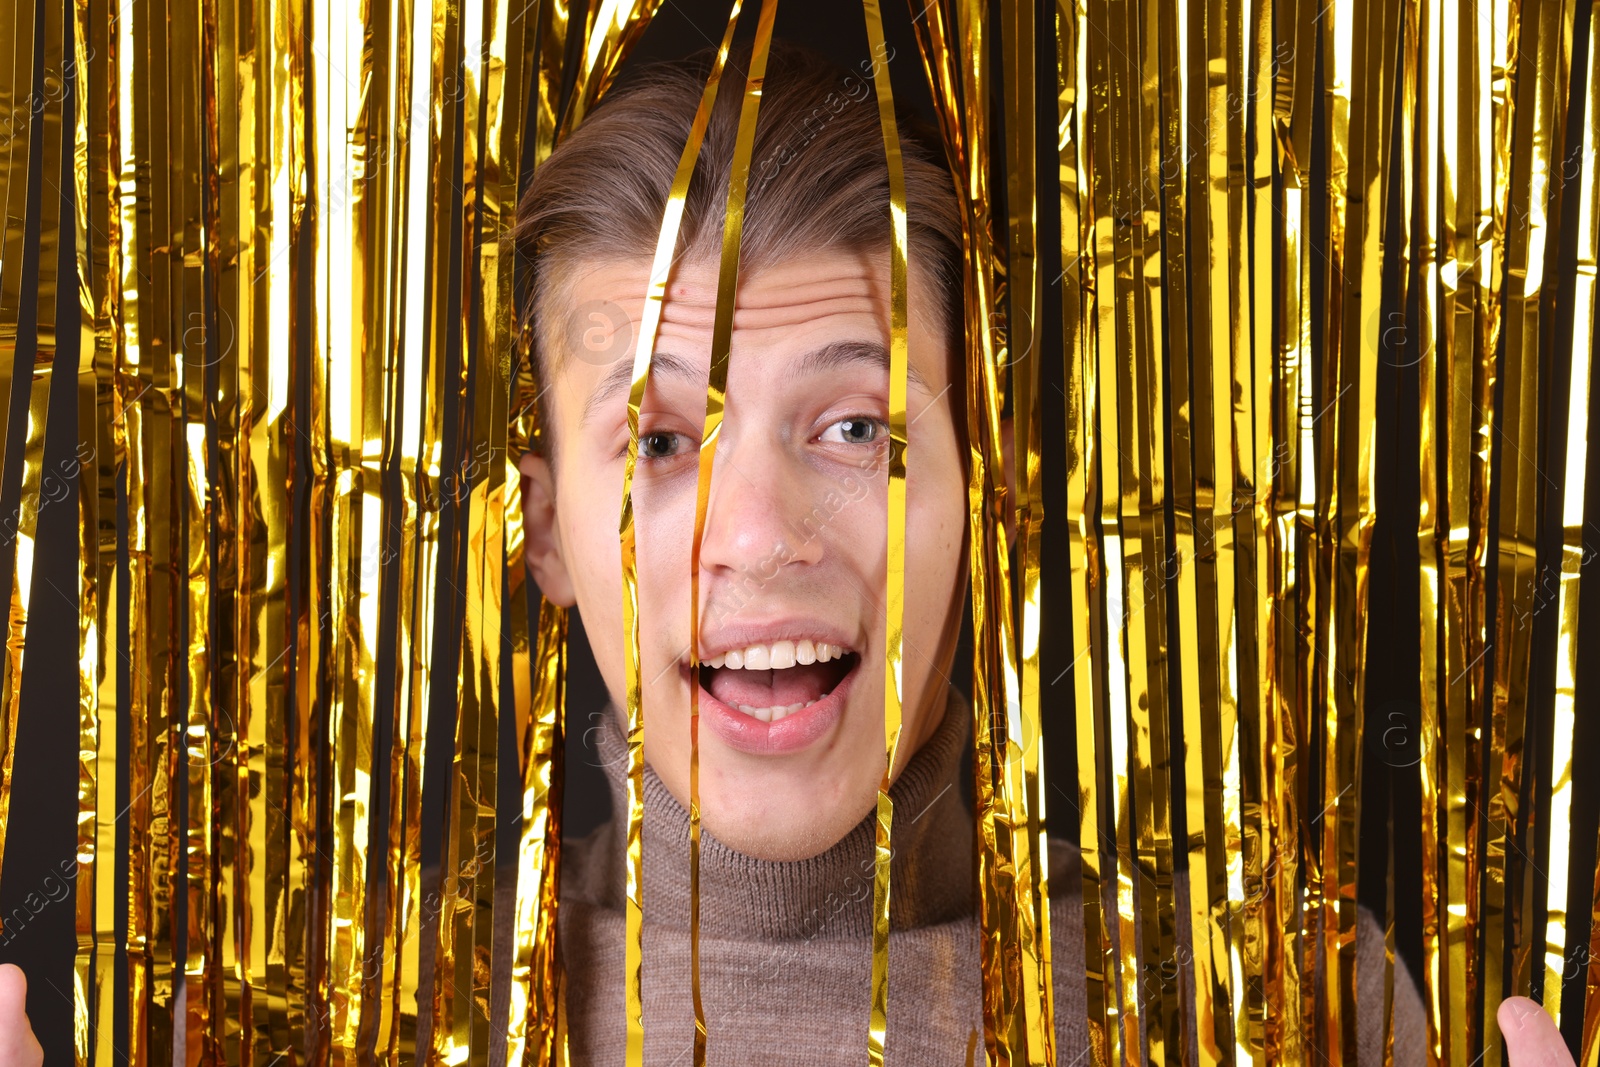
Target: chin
<point>771,815</point>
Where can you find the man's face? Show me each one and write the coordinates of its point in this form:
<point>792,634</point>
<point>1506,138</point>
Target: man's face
<point>794,557</point>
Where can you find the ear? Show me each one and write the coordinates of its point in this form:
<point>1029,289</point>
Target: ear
<point>541,543</point>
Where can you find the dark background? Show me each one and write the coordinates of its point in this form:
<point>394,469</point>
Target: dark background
<point>41,834</point>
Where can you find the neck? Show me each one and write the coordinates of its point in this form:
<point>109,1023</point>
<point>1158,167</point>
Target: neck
<point>829,895</point>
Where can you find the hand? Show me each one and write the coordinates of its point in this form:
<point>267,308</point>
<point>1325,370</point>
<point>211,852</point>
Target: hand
<point>1531,1035</point>
<point>18,1046</point>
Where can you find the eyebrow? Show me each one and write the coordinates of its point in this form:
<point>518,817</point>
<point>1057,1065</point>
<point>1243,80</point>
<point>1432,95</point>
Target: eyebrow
<point>834,356</point>
<point>620,378</point>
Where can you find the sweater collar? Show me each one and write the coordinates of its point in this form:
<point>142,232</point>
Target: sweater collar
<point>825,897</point>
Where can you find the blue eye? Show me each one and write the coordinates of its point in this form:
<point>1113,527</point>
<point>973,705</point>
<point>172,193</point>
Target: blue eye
<point>856,430</point>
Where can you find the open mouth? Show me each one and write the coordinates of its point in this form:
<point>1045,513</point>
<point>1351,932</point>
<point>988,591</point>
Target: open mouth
<point>770,682</point>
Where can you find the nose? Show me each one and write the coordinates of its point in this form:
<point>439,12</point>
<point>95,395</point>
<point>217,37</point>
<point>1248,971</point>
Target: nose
<point>758,514</point>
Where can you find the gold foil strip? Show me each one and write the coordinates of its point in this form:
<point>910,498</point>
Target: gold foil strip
<point>282,144</point>
<point>100,429</point>
<point>716,390</point>
<point>1455,486</point>
<point>513,383</point>
<point>1274,1015</point>
<point>327,611</point>
<point>256,989</point>
<point>716,394</point>
<point>94,957</point>
<point>1573,485</point>
<point>535,994</point>
<point>1252,786</point>
<point>442,483</point>
<point>483,392</point>
<point>1138,340</point>
<point>1434,352</point>
<point>1078,309</point>
<point>163,558</point>
<point>895,579</point>
<point>129,148</point>
<point>189,97</point>
<point>1409,254</point>
<point>492,182</point>
<point>425,344</point>
<point>1535,199</point>
<point>455,981</point>
<point>347,398</point>
<point>962,86</point>
<point>998,810</point>
<point>229,638</point>
<point>1024,748</point>
<point>1003,810</point>
<point>1209,491</point>
<point>1251,850</point>
<point>652,317</point>
<point>532,1036</point>
<point>611,28</point>
<point>1360,110</point>
<point>1110,286</point>
<point>413,459</point>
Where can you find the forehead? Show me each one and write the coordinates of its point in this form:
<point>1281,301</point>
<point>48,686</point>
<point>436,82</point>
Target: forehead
<point>784,313</point>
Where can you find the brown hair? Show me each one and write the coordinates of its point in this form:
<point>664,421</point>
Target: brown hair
<point>818,176</point>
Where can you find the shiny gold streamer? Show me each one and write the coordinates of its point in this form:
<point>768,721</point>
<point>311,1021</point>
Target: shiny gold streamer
<point>895,594</point>
<point>716,394</point>
<point>230,637</point>
<point>535,1035</point>
<point>1205,503</point>
<point>93,892</point>
<point>434,71</point>
<point>1078,310</point>
<point>716,391</point>
<point>532,1038</point>
<point>960,75</point>
<point>102,451</point>
<point>451,1023</point>
<point>727,287</point>
<point>1273,1015</point>
<point>1573,554</point>
<point>1358,62</point>
<point>347,365</point>
<point>1023,751</point>
<point>1534,201</point>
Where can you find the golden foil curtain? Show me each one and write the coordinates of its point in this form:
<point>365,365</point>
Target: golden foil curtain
<point>1278,231</point>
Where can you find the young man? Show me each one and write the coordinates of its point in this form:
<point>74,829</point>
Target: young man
<point>792,573</point>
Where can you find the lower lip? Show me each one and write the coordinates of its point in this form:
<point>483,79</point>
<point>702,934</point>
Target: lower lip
<point>792,733</point>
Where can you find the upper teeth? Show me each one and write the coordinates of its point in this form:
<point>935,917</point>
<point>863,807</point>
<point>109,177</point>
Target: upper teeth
<point>777,656</point>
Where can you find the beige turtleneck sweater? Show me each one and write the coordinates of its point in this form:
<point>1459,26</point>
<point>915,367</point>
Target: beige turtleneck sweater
<point>785,950</point>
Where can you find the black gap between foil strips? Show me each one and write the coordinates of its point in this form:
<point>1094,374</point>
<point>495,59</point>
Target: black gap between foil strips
<point>41,844</point>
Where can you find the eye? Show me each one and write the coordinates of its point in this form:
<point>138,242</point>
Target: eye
<point>856,430</point>
<point>660,445</point>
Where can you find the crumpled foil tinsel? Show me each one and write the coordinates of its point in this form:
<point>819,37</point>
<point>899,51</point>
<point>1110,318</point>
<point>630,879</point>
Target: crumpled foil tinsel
<point>303,386</point>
